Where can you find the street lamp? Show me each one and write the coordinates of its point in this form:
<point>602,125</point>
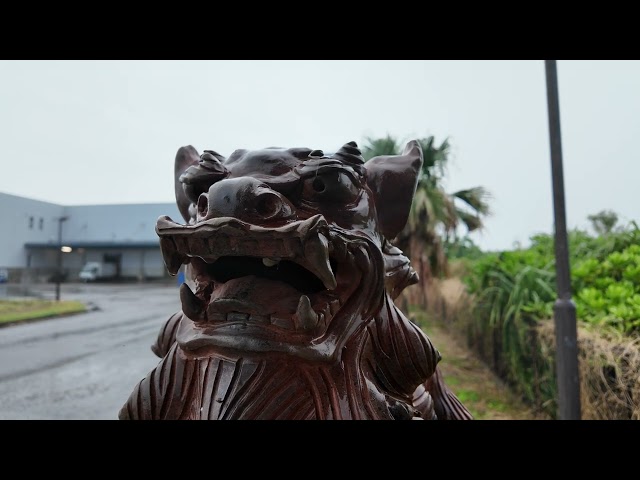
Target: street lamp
<point>564,310</point>
<point>59,273</point>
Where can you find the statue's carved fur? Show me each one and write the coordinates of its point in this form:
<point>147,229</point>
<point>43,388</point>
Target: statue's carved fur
<point>288,310</point>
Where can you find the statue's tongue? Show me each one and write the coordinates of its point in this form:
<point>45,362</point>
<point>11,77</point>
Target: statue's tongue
<point>255,295</point>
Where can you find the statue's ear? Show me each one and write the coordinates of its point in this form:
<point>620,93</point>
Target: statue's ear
<point>194,174</point>
<point>185,158</point>
<point>393,180</point>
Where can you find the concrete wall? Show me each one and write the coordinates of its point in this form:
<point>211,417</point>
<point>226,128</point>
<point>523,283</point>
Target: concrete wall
<point>135,263</point>
<point>140,263</point>
<point>144,262</point>
<point>116,223</point>
<point>24,220</point>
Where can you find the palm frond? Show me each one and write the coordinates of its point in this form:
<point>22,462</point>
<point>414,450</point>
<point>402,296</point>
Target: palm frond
<point>376,147</point>
<point>476,198</point>
<point>472,222</point>
<point>435,158</point>
<point>443,210</point>
<point>434,214</point>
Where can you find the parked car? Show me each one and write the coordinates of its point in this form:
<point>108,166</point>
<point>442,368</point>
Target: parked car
<point>93,271</point>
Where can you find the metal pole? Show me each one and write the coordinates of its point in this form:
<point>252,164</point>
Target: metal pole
<point>59,269</point>
<point>564,308</point>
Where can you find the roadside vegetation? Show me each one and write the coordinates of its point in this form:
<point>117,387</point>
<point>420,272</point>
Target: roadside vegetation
<point>482,392</point>
<point>513,294</point>
<point>500,304</point>
<point>12,311</point>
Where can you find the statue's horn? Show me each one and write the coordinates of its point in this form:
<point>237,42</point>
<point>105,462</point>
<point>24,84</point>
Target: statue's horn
<point>350,153</point>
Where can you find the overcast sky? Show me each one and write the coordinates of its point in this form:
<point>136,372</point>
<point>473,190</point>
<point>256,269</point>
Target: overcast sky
<point>92,132</point>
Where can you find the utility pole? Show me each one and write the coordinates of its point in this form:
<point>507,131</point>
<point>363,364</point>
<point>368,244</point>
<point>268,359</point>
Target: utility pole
<point>564,309</point>
<point>59,269</point>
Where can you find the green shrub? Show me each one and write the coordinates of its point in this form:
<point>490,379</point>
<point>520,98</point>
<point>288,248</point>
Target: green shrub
<point>605,278</point>
<point>514,290</point>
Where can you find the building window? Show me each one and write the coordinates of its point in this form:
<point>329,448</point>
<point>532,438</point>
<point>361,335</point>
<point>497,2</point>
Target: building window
<point>41,223</point>
<point>30,223</point>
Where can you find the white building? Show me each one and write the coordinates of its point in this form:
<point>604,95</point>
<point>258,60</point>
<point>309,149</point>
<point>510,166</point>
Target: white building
<point>120,234</point>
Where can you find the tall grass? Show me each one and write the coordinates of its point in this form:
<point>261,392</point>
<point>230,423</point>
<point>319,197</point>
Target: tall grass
<point>506,309</point>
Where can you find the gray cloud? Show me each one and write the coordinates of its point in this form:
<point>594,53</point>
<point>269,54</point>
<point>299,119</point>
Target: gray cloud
<point>85,132</point>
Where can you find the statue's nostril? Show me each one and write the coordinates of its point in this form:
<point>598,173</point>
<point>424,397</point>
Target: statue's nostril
<point>268,205</point>
<point>203,205</point>
<point>318,185</point>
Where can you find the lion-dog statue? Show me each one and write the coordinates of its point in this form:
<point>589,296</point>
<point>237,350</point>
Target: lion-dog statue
<point>288,305</point>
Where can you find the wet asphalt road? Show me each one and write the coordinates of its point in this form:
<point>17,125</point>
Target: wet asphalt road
<point>86,365</point>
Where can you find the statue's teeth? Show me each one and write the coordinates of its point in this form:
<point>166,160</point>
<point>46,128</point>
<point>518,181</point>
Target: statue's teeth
<point>269,262</point>
<point>307,319</point>
<point>334,306</point>
<point>192,306</point>
<point>173,259</point>
<point>316,252</point>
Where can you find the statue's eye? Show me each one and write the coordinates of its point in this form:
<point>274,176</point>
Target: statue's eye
<point>330,186</point>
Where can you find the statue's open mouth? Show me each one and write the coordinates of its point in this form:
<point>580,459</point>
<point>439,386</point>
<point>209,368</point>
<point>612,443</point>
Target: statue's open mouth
<point>262,281</point>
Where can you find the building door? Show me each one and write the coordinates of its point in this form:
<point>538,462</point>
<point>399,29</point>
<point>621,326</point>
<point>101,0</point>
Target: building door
<point>116,259</point>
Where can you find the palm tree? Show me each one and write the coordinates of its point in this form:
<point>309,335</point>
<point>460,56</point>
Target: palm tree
<point>435,214</point>
<point>603,221</point>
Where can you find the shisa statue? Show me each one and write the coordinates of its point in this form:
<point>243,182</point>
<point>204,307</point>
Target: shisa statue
<point>288,308</point>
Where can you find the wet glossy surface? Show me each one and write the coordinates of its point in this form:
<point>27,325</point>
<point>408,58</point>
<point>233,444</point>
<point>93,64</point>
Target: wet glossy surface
<point>288,312</point>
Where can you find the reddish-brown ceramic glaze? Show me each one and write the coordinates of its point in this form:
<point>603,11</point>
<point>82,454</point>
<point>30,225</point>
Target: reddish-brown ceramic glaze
<point>288,310</point>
